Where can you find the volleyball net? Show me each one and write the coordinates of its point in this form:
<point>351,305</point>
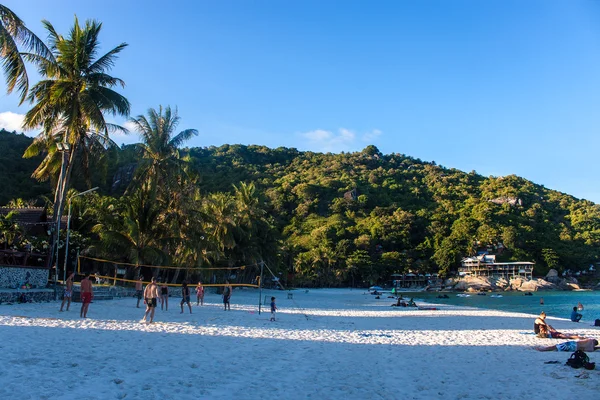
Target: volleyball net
<point>124,274</point>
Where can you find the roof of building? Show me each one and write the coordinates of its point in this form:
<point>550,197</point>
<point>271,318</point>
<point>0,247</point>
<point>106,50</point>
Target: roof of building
<point>26,215</point>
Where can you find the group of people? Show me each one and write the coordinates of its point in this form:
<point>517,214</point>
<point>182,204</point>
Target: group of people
<point>87,293</point>
<point>544,330</point>
<point>152,295</point>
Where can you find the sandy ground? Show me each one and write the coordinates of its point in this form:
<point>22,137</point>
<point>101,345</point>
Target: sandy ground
<point>325,344</point>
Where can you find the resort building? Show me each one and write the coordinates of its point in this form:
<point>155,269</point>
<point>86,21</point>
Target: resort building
<point>486,265</point>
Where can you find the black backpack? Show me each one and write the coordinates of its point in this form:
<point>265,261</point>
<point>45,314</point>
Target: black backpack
<point>578,359</point>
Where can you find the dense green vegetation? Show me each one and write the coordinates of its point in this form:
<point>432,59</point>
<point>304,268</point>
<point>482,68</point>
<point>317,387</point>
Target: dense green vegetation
<point>15,171</point>
<point>291,210</point>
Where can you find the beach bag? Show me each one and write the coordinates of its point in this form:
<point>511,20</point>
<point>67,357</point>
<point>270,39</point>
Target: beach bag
<point>578,359</point>
<point>597,322</point>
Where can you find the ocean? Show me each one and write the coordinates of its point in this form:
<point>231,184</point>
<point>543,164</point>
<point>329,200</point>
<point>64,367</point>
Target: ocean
<point>556,304</point>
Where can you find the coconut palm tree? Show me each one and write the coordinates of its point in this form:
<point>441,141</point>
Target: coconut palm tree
<point>93,146</point>
<point>161,159</point>
<point>74,94</point>
<point>14,34</point>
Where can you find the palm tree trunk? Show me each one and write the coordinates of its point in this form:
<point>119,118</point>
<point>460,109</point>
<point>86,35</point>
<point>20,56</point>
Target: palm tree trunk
<point>175,275</point>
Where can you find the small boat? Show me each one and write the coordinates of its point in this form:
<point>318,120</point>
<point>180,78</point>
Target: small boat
<point>528,294</point>
<point>463,295</point>
<point>481,294</point>
<point>496,296</point>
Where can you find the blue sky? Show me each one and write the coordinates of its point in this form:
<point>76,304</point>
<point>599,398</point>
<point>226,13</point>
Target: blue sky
<point>497,86</point>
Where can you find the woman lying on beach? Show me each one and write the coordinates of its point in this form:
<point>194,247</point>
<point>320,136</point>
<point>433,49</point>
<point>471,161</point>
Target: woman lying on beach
<point>543,330</point>
<point>584,345</point>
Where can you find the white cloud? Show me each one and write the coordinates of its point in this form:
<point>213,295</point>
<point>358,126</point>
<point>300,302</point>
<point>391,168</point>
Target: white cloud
<point>11,121</point>
<point>371,136</point>
<point>130,126</point>
<point>328,141</point>
<point>343,140</point>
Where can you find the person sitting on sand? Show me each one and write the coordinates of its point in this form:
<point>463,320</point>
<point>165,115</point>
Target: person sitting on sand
<point>399,303</point>
<point>575,316</point>
<point>583,345</point>
<point>544,330</point>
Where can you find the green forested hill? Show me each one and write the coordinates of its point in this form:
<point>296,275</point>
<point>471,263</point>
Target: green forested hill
<point>15,171</point>
<point>407,212</point>
<point>365,215</point>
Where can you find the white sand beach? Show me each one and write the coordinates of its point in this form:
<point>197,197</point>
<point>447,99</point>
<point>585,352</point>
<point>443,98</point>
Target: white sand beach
<point>327,343</point>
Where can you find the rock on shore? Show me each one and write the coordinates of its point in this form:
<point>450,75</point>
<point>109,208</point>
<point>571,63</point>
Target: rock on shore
<point>484,283</point>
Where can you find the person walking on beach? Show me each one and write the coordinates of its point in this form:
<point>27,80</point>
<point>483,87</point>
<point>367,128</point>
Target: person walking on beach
<point>68,293</point>
<point>87,294</point>
<point>273,309</point>
<point>139,290</point>
<point>164,297</point>
<point>151,300</point>
<point>200,294</point>
<point>185,296</point>
<point>575,316</point>
<point>227,296</point>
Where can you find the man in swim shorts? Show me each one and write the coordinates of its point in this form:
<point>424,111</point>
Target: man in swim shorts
<point>139,290</point>
<point>87,294</point>
<point>151,300</point>
<point>584,345</point>
<point>68,293</point>
<point>185,296</point>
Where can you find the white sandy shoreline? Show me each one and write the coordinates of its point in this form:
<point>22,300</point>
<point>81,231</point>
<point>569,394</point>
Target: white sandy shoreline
<point>333,343</point>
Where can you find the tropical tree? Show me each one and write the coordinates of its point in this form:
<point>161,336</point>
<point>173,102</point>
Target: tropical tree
<point>14,35</point>
<point>161,159</point>
<point>74,94</point>
<point>10,231</point>
<point>136,232</point>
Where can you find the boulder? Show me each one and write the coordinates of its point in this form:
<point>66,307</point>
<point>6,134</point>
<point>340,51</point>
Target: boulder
<point>474,284</point>
<point>552,273</point>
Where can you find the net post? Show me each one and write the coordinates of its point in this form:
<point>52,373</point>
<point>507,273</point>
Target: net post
<point>260,287</point>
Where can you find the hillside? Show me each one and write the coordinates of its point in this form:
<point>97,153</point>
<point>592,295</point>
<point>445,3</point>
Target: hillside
<point>365,215</point>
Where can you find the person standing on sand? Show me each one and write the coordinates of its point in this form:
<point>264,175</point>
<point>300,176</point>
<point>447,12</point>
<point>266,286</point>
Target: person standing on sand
<point>185,296</point>
<point>87,294</point>
<point>227,296</point>
<point>164,297</point>
<point>68,293</point>
<point>200,294</point>
<point>273,309</point>
<point>151,300</point>
<point>139,290</point>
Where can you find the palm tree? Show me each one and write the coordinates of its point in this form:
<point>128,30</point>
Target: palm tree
<point>73,95</point>
<point>136,232</point>
<point>161,160</point>
<point>93,146</point>
<point>13,34</point>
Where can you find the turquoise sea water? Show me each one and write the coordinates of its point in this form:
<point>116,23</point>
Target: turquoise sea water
<point>556,304</point>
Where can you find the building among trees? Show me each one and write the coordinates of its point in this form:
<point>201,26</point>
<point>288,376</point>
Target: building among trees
<point>486,265</point>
